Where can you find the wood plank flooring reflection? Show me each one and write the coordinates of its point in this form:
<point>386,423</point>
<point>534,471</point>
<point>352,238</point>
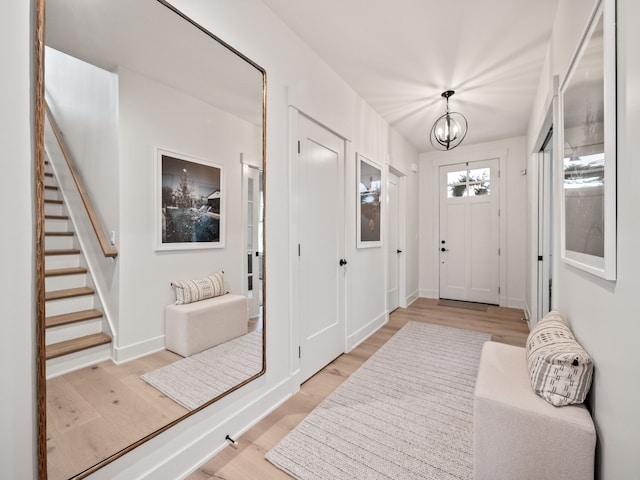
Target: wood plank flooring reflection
<point>247,462</point>
<point>96,411</point>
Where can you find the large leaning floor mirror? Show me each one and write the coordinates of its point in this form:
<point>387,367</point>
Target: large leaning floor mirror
<point>150,174</point>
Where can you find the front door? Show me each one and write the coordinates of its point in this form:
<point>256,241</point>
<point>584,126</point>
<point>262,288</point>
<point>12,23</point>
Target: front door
<point>320,221</point>
<point>469,245</point>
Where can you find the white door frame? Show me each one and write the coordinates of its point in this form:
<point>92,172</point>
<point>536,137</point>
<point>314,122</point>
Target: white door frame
<point>254,302</point>
<point>472,156</point>
<point>537,157</point>
<point>545,226</point>
<point>294,274</point>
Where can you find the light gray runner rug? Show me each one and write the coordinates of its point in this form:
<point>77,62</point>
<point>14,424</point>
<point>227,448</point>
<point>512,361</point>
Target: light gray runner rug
<point>195,380</point>
<point>406,413</point>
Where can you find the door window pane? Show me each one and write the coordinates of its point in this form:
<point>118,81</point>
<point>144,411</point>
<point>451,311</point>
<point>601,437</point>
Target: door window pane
<point>480,175</point>
<point>476,189</point>
<point>457,184</point>
<point>479,182</point>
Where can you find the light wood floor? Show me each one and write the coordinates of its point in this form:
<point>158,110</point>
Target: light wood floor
<point>247,462</point>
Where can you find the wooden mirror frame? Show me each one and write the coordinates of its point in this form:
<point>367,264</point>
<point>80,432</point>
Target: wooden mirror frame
<point>39,116</point>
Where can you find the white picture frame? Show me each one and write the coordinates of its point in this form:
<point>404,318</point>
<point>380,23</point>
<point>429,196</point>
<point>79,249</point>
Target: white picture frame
<point>369,196</point>
<point>189,202</point>
<point>587,149</point>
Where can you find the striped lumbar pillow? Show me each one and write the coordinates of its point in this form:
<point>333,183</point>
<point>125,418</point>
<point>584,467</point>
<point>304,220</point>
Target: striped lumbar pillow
<point>559,368</point>
<point>189,291</point>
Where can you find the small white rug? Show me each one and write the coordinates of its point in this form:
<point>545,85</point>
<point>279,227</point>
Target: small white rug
<point>406,413</point>
<point>195,380</point>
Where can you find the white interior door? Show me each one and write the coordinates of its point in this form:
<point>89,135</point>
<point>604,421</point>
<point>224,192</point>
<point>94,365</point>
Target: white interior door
<point>470,232</point>
<point>393,243</point>
<point>320,215</point>
<point>252,194</point>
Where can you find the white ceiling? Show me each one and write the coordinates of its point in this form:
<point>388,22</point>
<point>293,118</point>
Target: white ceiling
<point>146,37</point>
<point>401,55</point>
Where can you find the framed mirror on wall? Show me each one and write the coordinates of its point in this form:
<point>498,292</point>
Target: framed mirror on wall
<point>588,139</point>
<point>115,82</point>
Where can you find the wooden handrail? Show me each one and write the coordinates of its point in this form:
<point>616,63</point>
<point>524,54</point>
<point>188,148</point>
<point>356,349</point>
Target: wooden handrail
<point>102,238</point>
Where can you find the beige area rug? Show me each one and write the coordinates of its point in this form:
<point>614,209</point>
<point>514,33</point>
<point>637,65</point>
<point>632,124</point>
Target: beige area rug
<point>195,380</point>
<point>406,413</point>
<point>481,307</point>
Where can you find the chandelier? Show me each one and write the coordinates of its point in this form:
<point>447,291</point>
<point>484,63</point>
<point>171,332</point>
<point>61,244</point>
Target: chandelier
<point>450,129</point>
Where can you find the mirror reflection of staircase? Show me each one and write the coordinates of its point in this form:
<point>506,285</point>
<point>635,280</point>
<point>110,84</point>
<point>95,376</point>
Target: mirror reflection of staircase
<point>76,331</point>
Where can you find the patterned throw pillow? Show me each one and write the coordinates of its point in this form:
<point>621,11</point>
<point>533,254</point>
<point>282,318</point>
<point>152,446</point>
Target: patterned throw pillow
<point>189,291</point>
<point>559,368</point>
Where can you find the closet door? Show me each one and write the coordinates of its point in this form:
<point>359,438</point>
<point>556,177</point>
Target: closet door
<point>320,221</point>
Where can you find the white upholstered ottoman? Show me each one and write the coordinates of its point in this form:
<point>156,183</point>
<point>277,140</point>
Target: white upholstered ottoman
<point>520,436</point>
<point>198,326</point>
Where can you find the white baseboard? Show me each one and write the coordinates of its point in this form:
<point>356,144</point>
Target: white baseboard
<point>412,297</point>
<point>516,303</point>
<point>365,332</point>
<point>137,350</point>
<point>428,293</point>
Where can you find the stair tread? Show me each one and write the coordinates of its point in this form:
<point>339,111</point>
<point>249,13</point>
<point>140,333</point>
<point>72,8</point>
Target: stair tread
<point>56,217</point>
<point>68,293</point>
<point>62,251</point>
<point>57,272</point>
<point>59,234</point>
<point>74,317</point>
<point>76,345</point>
<point>50,200</point>
<point>50,187</point>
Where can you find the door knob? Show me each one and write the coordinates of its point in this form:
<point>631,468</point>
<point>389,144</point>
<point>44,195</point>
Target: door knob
<point>398,251</point>
<point>444,249</point>
<point>343,262</point>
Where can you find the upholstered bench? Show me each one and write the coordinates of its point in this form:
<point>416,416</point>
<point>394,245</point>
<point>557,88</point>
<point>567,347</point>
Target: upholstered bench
<point>193,327</point>
<point>520,436</point>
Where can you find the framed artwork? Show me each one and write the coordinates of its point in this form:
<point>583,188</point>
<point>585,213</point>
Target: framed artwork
<point>588,146</point>
<point>189,202</point>
<point>369,188</point>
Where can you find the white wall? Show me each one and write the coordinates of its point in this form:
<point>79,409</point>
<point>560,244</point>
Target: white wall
<point>17,365</point>
<point>512,153</point>
<point>75,91</point>
<point>155,115</point>
<point>367,298</point>
<point>404,158</point>
<point>603,314</point>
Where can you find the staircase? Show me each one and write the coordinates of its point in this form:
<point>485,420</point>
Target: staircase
<point>75,330</point>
